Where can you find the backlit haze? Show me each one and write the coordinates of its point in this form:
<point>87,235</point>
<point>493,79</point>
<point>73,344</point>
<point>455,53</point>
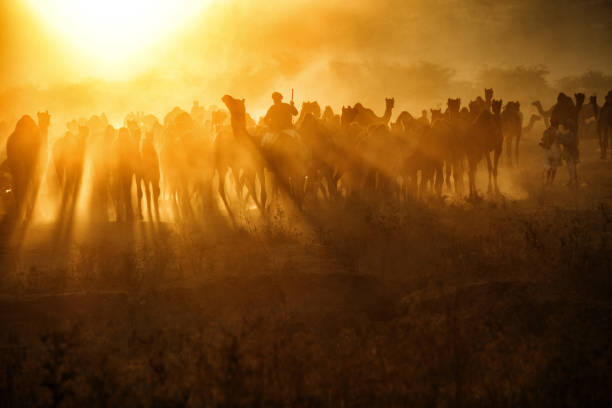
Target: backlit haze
<point>82,57</point>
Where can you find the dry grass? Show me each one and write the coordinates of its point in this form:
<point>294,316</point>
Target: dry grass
<point>502,302</point>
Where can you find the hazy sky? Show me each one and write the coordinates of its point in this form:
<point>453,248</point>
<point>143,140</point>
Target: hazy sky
<point>339,50</point>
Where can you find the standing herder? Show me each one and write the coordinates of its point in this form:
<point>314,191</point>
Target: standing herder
<point>552,154</point>
<point>564,118</point>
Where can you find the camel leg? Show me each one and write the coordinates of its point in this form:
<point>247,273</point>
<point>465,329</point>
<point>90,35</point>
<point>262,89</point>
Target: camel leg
<point>239,182</point>
<point>251,190</point>
<point>222,177</point>
<point>601,134</point>
<point>490,171</point>
<point>262,186</point>
<point>509,151</point>
<point>439,179</point>
<point>604,149</point>
<point>155,192</point>
<point>147,192</point>
<point>472,163</point>
<point>127,198</point>
<point>139,196</point>
<point>458,177</point>
<point>496,156</point>
<point>19,189</point>
<point>448,170</point>
<point>412,186</point>
<point>516,149</point>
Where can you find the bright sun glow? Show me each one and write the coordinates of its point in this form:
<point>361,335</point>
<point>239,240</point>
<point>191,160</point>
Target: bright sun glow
<point>113,32</point>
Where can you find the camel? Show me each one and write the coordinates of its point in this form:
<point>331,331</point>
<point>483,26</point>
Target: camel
<point>532,121</point>
<point>486,138</point>
<point>198,112</point>
<point>149,172</point>
<point>58,155</point>
<point>125,168</point>
<point>587,119</point>
<point>72,162</point>
<point>26,150</point>
<point>604,124</point>
<point>366,117</point>
<point>512,128</point>
<point>311,108</point>
<point>594,106</point>
<point>565,112</point>
<point>454,144</point>
<point>331,120</point>
<point>415,134</point>
<point>185,160</point>
<point>488,98</point>
<point>544,114</point>
<point>476,107</point>
<point>435,147</point>
<point>239,151</point>
<point>218,119</point>
<point>324,153</point>
<point>101,155</point>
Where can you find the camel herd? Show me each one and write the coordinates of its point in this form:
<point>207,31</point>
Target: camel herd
<point>190,159</point>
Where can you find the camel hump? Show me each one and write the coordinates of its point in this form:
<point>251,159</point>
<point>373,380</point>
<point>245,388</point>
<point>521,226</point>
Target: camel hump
<point>26,124</point>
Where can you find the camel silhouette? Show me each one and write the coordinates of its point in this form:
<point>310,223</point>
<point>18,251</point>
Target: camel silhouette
<point>126,166</point>
<point>150,175</point>
<point>544,114</point>
<point>26,150</point>
<point>366,117</point>
<point>323,151</point>
<point>604,124</point>
<point>239,151</point>
<point>512,128</point>
<point>486,139</point>
<point>311,108</point>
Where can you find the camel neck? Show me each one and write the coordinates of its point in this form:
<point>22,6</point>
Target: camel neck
<point>387,115</point>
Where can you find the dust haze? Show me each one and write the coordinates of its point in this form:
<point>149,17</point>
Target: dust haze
<point>420,52</point>
<point>425,219</point>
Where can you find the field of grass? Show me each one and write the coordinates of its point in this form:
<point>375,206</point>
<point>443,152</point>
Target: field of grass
<point>507,301</point>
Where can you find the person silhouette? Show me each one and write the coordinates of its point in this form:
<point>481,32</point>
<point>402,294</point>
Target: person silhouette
<point>280,115</point>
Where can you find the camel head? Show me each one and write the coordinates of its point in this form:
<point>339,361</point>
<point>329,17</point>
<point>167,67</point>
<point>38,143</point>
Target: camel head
<point>109,133</point>
<point>44,119</point>
<point>183,122</point>
<point>436,114</point>
<point>131,124</point>
<point>309,124</point>
<point>593,100</point>
<point>218,117</point>
<point>235,106</point>
<point>488,94</point>
<point>26,125</point>
<point>512,106</point>
<point>389,103</point>
<point>496,106</point>
<point>563,98</point>
<point>328,114</point>
<point>476,106</point>
<point>348,115</point>
<point>313,108</point>
<point>453,105</point>
<point>608,97</point>
<point>579,98</point>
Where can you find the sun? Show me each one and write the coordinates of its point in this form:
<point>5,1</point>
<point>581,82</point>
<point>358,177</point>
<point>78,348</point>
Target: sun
<point>113,32</point>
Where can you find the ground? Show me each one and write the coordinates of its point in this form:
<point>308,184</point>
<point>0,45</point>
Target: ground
<point>505,301</point>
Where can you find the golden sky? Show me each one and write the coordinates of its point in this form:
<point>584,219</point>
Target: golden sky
<point>126,55</point>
